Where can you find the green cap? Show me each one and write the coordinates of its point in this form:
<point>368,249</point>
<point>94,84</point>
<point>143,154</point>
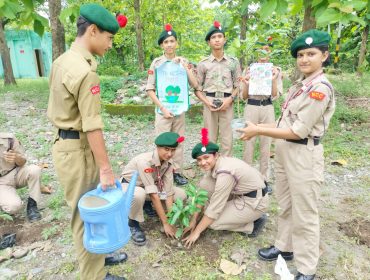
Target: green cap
<point>169,139</point>
<point>311,38</point>
<point>167,32</point>
<point>215,28</point>
<point>199,149</point>
<point>100,16</point>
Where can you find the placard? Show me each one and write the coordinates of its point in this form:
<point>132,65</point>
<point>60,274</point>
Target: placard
<point>260,82</point>
<point>172,87</point>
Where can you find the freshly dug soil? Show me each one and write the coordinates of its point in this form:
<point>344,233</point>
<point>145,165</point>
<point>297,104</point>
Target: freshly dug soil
<point>358,228</point>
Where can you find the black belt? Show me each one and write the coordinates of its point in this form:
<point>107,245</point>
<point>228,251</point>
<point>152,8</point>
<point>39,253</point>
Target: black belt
<point>257,102</point>
<point>253,194</point>
<point>213,94</point>
<point>69,134</point>
<point>304,141</point>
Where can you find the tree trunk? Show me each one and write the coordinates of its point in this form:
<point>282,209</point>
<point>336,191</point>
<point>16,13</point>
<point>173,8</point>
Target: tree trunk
<point>139,35</point>
<point>57,29</point>
<point>309,21</point>
<point>361,58</point>
<point>5,57</point>
<point>243,36</point>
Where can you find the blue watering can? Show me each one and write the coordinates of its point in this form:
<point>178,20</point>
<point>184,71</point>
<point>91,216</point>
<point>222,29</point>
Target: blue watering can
<point>105,216</point>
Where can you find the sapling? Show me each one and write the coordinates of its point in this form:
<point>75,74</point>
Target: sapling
<point>181,213</point>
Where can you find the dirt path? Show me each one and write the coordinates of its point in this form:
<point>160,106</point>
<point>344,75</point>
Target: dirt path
<point>344,206</point>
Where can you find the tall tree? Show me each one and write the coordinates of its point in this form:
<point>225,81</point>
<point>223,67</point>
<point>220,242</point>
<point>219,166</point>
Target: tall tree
<point>5,57</point>
<point>361,58</point>
<point>309,21</point>
<point>139,35</point>
<point>243,35</point>
<point>57,29</point>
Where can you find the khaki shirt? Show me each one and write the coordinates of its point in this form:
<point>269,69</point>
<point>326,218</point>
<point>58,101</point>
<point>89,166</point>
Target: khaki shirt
<point>263,97</point>
<point>309,106</point>
<point>218,75</point>
<point>5,142</point>
<point>74,101</point>
<point>151,82</point>
<point>149,167</point>
<point>232,177</point>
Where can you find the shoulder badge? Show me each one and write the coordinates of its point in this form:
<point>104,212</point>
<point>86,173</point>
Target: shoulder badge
<point>149,170</point>
<point>95,89</point>
<point>317,95</point>
<point>150,72</point>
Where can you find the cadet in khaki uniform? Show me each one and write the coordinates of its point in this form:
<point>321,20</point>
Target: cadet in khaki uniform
<point>299,160</point>
<point>167,121</point>
<point>79,152</point>
<point>218,77</point>
<point>236,191</point>
<point>15,173</point>
<point>155,182</point>
<point>259,109</point>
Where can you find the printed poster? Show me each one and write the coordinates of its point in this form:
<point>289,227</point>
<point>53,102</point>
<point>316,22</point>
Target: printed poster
<point>260,82</point>
<point>172,87</point>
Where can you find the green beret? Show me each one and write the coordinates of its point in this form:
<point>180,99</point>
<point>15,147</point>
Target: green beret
<point>215,28</point>
<point>100,16</point>
<point>199,149</point>
<point>167,32</point>
<point>311,38</point>
<point>168,139</point>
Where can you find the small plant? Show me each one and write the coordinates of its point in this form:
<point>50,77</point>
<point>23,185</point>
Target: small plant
<point>5,216</point>
<point>181,212</point>
<point>48,232</point>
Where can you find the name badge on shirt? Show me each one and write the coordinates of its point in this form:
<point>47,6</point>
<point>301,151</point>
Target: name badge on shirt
<point>162,195</point>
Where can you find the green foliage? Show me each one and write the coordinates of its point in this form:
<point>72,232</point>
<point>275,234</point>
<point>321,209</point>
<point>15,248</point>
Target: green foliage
<point>49,232</point>
<point>55,203</point>
<point>5,216</point>
<point>109,87</point>
<point>181,213</point>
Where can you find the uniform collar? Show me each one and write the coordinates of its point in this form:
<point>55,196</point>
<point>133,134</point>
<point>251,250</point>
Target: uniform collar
<point>157,162</point>
<point>216,167</point>
<point>310,78</point>
<point>86,54</point>
<point>212,57</point>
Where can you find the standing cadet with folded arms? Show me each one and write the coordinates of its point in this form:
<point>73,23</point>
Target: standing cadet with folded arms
<point>79,154</point>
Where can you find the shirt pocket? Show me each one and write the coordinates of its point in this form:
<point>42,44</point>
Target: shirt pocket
<point>227,78</point>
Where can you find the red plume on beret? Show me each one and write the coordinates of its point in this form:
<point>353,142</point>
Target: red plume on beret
<point>216,24</point>
<point>204,139</point>
<point>269,38</point>
<point>180,139</point>
<point>122,20</point>
<point>168,27</point>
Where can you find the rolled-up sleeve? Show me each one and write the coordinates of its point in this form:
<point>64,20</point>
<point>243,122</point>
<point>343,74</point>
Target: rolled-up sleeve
<point>147,178</point>
<point>89,103</point>
<point>223,188</point>
<point>150,84</point>
<point>311,110</point>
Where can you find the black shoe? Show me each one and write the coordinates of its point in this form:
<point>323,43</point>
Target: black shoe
<point>115,258</point>
<point>179,179</point>
<point>137,234</point>
<point>113,277</point>
<point>258,226</point>
<point>271,254</point>
<point>7,240</point>
<point>301,276</point>
<point>33,213</point>
<point>149,210</point>
<point>269,189</point>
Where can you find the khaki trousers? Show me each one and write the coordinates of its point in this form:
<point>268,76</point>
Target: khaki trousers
<point>240,212</point>
<point>256,115</point>
<point>136,212</point>
<point>29,175</point>
<point>219,123</point>
<point>299,171</point>
<point>175,124</point>
<point>78,173</point>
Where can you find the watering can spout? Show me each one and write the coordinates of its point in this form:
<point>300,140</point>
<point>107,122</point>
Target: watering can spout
<point>130,191</point>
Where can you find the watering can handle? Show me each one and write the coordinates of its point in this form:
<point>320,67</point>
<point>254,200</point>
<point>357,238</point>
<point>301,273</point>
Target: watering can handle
<point>117,183</point>
<point>130,191</point>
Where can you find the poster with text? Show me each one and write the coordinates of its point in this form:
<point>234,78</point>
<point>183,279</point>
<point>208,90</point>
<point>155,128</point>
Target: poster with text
<point>172,87</point>
<point>260,82</point>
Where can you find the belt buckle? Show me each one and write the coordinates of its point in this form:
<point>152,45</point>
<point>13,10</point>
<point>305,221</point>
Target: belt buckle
<point>219,94</point>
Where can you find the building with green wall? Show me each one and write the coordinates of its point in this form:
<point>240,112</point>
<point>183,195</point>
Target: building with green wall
<point>30,54</point>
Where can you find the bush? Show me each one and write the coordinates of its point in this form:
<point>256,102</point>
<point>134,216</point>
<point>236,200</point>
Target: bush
<point>109,87</point>
<point>110,70</point>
